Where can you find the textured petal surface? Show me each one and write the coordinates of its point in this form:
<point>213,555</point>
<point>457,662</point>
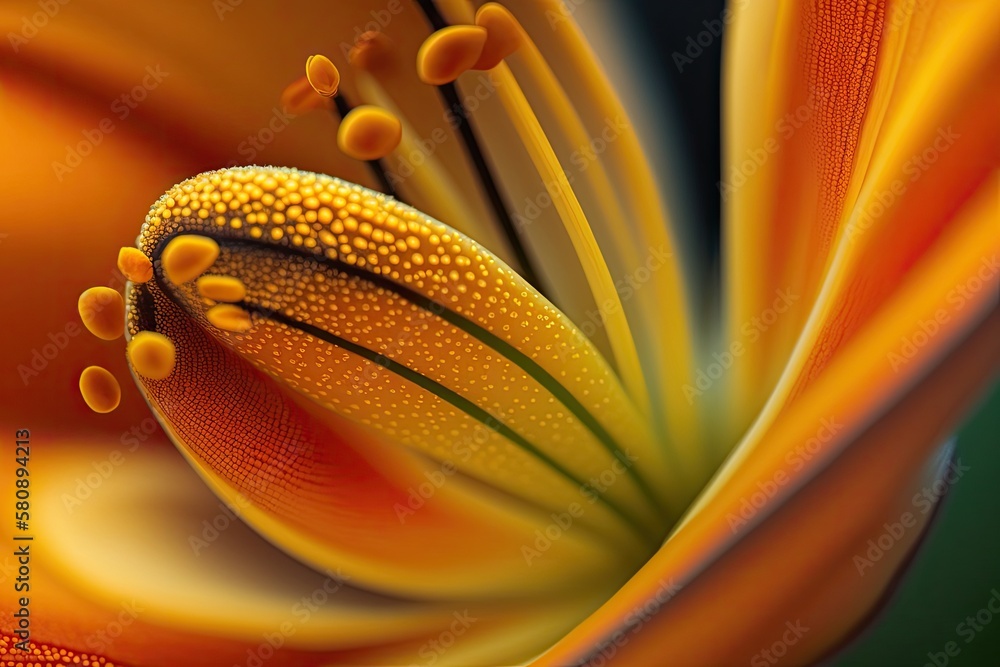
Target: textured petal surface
<point>784,554</point>
<point>878,118</point>
<point>387,327</point>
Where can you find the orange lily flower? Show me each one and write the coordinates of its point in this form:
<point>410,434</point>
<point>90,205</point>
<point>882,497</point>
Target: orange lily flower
<point>493,424</point>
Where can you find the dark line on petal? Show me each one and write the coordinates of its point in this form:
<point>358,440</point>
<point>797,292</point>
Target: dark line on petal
<point>441,391</point>
<point>487,338</point>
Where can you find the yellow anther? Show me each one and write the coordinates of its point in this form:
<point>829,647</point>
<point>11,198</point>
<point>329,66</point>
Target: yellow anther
<point>134,265</point>
<point>100,390</point>
<point>369,133</point>
<point>152,355</point>
<point>229,317</point>
<point>187,257</point>
<point>222,288</point>
<point>323,75</point>
<point>503,35</point>
<point>102,310</point>
<point>449,52</point>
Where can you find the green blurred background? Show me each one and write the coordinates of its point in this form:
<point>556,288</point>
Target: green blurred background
<point>954,572</point>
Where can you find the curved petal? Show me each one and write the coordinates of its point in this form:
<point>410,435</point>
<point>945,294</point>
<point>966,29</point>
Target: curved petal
<point>877,119</point>
<point>798,558</point>
<point>197,586</point>
<point>366,313</point>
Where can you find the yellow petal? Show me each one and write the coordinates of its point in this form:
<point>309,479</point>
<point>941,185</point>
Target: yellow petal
<point>388,327</point>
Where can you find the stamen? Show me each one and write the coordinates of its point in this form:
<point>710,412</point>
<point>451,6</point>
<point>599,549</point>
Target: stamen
<point>449,52</point>
<point>602,283</point>
<point>100,390</point>
<point>324,78</point>
<point>429,177</point>
<point>222,288</point>
<point>102,310</point>
<point>641,200</point>
<point>134,265</point>
<point>452,102</point>
<point>187,257</point>
<point>299,97</point>
<point>152,355</point>
<point>323,75</point>
<point>503,35</point>
<point>369,133</point>
<point>229,317</point>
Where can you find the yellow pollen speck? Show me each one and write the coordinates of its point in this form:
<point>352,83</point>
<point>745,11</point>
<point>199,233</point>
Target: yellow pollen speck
<point>100,390</point>
<point>449,52</point>
<point>323,75</point>
<point>221,288</point>
<point>152,355</point>
<point>187,257</point>
<point>134,265</point>
<point>102,310</point>
<point>369,133</point>
<point>229,317</point>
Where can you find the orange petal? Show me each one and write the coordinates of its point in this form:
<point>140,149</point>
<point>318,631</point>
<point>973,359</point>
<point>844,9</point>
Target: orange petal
<point>801,563</point>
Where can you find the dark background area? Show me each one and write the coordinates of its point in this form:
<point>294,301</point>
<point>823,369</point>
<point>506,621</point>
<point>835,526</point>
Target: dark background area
<point>957,570</point>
